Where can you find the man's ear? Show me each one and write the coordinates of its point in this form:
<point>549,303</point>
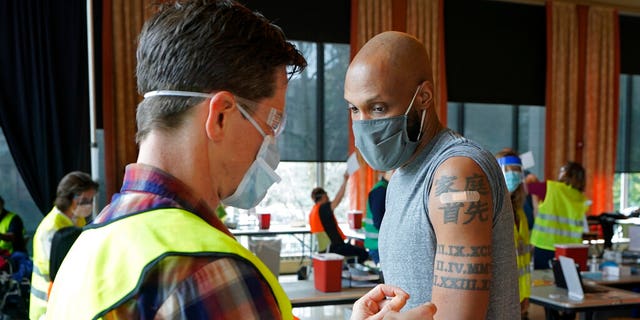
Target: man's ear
<point>219,111</point>
<point>426,94</point>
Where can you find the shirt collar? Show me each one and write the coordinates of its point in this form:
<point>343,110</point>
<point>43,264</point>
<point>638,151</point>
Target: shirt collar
<point>145,178</point>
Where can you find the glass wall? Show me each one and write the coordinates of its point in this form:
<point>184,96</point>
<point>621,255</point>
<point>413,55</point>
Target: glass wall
<point>498,126</point>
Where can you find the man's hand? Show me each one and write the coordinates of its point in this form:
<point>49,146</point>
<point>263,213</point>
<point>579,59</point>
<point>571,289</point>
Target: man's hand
<point>385,301</point>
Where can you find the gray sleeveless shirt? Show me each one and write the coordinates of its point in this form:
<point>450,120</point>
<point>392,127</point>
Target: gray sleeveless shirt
<point>407,241</point>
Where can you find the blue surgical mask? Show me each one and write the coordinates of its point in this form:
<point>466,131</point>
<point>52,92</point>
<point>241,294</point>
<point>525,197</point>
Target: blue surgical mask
<point>513,179</point>
<point>512,169</point>
<point>384,143</point>
<point>261,174</point>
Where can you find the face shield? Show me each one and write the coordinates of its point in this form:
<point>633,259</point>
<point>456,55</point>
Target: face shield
<point>513,172</point>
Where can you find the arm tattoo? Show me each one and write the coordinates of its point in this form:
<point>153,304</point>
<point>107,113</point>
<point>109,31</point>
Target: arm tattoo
<point>443,184</point>
<point>451,275</point>
<point>461,283</point>
<point>451,211</point>
<point>462,251</point>
<point>477,209</point>
<point>475,182</point>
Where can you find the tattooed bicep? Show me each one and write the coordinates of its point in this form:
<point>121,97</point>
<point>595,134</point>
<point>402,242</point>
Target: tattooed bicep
<point>460,193</point>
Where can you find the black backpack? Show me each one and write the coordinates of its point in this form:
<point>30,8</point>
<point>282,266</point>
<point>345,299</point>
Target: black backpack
<point>62,241</point>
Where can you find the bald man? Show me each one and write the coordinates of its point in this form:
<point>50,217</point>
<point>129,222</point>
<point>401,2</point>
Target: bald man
<point>447,234</point>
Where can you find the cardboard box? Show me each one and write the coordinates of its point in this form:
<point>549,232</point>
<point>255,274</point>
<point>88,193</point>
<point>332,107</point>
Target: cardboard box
<point>578,252</point>
<point>268,250</point>
<point>327,272</point>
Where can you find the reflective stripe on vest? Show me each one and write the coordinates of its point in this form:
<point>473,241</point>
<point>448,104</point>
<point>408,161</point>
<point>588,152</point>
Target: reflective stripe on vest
<point>40,281</point>
<point>370,230</point>
<point>105,253</point>
<point>523,252</point>
<point>560,218</point>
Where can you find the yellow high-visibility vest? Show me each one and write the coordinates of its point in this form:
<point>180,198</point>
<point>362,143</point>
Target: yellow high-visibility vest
<point>523,251</point>
<point>104,253</point>
<point>40,280</point>
<point>4,228</point>
<point>560,217</point>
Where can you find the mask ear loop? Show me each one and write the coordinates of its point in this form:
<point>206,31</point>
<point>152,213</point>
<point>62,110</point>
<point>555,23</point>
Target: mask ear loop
<point>423,111</point>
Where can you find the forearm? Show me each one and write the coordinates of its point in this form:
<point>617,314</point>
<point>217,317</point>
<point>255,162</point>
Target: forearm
<point>461,281</point>
<point>336,201</point>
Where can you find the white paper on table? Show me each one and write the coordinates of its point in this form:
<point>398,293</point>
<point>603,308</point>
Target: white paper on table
<point>527,160</point>
<point>352,164</point>
<point>571,277</point>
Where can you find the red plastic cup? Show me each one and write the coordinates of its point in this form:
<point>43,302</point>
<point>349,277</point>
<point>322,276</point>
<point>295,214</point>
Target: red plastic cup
<point>265,220</point>
<point>355,219</point>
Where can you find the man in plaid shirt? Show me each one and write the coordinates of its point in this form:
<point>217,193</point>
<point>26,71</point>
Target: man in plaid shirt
<point>214,76</point>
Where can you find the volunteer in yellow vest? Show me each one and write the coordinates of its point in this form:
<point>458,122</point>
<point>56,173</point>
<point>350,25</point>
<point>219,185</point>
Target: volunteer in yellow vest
<point>73,203</point>
<point>11,230</point>
<point>513,171</point>
<point>374,215</point>
<point>213,75</point>
<point>561,216</point>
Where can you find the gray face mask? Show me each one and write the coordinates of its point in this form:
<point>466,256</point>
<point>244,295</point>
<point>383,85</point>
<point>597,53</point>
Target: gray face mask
<point>384,143</point>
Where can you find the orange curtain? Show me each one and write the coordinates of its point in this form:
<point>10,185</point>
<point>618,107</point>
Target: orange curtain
<point>582,95</point>
<point>122,23</point>
<point>368,18</point>
<point>562,87</point>
<point>601,106</point>
<point>425,20</point>
<point>421,18</point>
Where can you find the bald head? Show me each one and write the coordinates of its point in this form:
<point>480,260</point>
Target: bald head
<point>397,58</point>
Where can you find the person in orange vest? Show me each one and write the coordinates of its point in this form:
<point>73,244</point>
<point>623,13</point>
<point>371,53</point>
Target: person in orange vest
<point>322,220</point>
<point>214,76</point>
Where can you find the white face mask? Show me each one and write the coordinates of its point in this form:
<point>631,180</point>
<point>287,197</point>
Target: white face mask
<point>83,210</point>
<point>261,174</point>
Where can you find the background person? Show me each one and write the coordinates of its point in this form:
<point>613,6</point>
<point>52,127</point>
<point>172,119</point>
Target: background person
<point>320,199</point>
<point>214,76</point>
<point>561,216</point>
<point>322,219</point>
<point>511,165</point>
<point>447,233</point>
<point>73,203</point>
<point>374,215</point>
<point>529,209</point>
<point>11,231</point>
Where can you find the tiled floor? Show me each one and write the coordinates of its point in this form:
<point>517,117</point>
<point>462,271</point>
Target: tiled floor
<point>340,312</point>
<point>336,312</point>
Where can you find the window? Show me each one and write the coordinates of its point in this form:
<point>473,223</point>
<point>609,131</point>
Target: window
<point>317,116</point>
<point>626,187</point>
<point>314,144</point>
<point>498,126</point>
